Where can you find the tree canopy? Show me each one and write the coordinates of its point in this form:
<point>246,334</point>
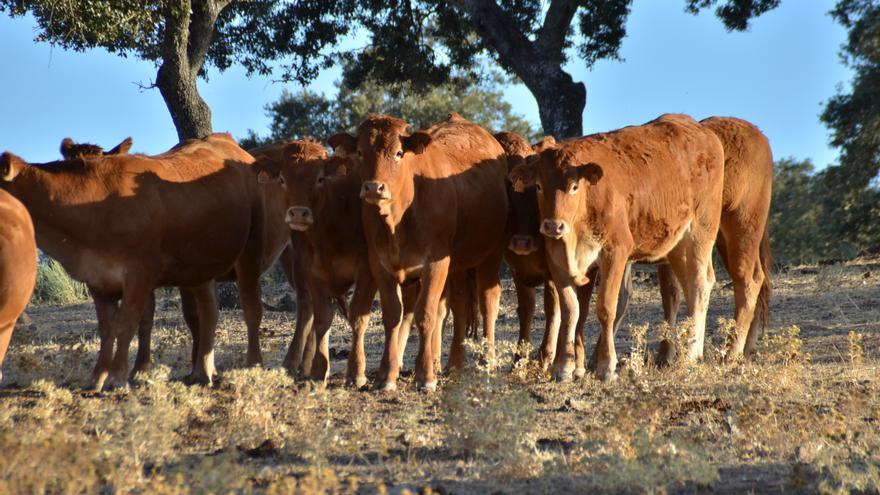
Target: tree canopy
<point>309,114</point>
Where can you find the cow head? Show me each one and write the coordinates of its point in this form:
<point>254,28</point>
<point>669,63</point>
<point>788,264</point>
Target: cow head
<point>560,184</point>
<point>10,166</point>
<point>523,216</point>
<point>71,150</point>
<point>384,149</point>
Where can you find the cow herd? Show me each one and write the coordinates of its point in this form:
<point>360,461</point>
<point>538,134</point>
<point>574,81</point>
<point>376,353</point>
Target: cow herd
<point>425,219</point>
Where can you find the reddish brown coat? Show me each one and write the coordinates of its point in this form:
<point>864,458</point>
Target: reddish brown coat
<point>18,266</point>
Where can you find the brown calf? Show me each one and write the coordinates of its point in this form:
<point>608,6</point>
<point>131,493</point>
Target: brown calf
<point>649,192</point>
<point>435,206</point>
<point>18,266</point>
<point>125,224</point>
<point>743,238</point>
<point>324,206</point>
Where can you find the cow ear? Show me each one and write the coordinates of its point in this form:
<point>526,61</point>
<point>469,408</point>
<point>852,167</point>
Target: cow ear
<point>416,142</point>
<point>10,166</point>
<point>543,144</point>
<point>121,148</point>
<point>343,143</point>
<point>590,172</point>
<point>523,175</point>
<point>267,171</point>
<point>67,147</point>
<point>336,168</point>
<point>514,161</point>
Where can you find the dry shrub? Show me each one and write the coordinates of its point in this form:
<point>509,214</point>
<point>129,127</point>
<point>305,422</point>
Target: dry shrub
<point>639,350</point>
<point>783,346</point>
<point>54,285</point>
<point>490,417</point>
<point>856,348</point>
<point>316,481</point>
<point>254,415</point>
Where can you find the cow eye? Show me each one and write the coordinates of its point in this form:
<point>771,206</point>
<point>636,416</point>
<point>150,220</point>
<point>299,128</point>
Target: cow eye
<point>573,189</point>
<point>538,186</point>
<point>360,155</point>
<point>399,154</point>
<point>320,180</point>
<point>281,179</point>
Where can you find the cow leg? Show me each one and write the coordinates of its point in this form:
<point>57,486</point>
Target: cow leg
<point>489,294</point>
<point>190,318</point>
<point>390,298</point>
<point>626,289</point>
<point>410,294</point>
<point>462,312</point>
<point>145,328</point>
<point>611,268</point>
<point>701,277</point>
<point>322,301</point>
<point>105,310</point>
<point>135,295</point>
<point>525,312</point>
<point>297,277</point>
<point>437,350</point>
<point>247,274</point>
<point>742,249</point>
<point>671,298</point>
<point>433,280</point>
<point>204,304</point>
<point>674,270</point>
<point>359,318</point>
<point>584,293</point>
<point>552,321</point>
<point>563,364</point>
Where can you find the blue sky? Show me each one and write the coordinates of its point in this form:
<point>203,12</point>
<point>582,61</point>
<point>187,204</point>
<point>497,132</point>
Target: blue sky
<point>777,75</point>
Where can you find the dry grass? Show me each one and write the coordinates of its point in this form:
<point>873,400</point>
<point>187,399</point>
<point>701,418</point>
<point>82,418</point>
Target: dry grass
<point>803,417</point>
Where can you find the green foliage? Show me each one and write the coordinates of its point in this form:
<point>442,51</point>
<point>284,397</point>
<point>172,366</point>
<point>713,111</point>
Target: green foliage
<point>252,33</point>
<point>55,286</point>
<point>308,114</point>
<point>853,116</point>
<point>735,14</point>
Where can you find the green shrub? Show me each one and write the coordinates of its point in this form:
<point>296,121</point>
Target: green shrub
<point>55,286</point>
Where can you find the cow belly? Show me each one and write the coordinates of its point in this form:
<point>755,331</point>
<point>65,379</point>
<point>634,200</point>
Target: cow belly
<point>101,273</point>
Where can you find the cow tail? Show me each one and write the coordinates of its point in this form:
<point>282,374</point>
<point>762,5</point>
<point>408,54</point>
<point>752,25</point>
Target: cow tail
<point>763,306</point>
<point>473,308</point>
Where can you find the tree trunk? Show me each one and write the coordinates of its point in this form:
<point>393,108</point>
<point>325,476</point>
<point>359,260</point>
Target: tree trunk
<point>561,103</point>
<point>189,28</point>
<point>189,112</point>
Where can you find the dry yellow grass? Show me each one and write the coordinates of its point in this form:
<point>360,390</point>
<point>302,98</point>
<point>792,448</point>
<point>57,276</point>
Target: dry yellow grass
<point>803,417</point>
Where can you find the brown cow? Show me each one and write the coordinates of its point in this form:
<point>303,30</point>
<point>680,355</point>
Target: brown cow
<point>126,224</point>
<point>71,149</point>
<point>649,192</point>
<point>526,256</point>
<point>435,207</point>
<point>18,266</point>
<point>743,238</point>
<point>324,206</point>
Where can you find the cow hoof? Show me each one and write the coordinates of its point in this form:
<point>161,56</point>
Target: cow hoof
<point>115,384</point>
<point>580,373</point>
<point>428,386</point>
<point>197,378</point>
<point>606,375</point>
<point>357,382</point>
<point>562,376</point>
<point>386,387</point>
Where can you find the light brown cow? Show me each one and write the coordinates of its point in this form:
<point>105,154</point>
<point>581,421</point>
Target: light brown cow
<point>324,206</point>
<point>526,256</point>
<point>18,266</point>
<point>743,238</point>
<point>649,192</point>
<point>435,206</point>
<point>129,223</point>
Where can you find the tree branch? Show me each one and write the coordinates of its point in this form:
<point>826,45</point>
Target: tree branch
<point>201,30</point>
<point>551,36</point>
<point>497,29</point>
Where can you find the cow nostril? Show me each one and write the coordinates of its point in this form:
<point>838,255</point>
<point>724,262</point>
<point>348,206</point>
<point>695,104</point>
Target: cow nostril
<point>380,187</point>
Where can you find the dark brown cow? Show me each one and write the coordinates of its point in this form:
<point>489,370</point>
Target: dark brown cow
<point>276,244</point>
<point>744,236</point>
<point>435,207</point>
<point>325,207</point>
<point>649,192</point>
<point>129,223</point>
<point>18,266</point>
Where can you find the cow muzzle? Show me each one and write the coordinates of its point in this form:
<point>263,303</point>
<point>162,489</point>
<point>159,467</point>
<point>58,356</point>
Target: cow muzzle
<point>375,192</point>
<point>522,245</point>
<point>554,228</point>
<point>299,218</point>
